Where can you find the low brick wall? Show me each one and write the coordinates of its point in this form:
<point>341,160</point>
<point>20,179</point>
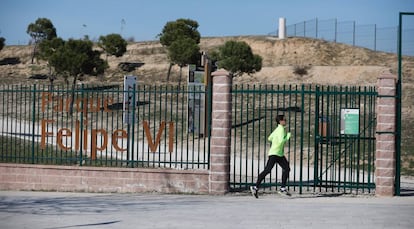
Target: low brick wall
<point>29,177</point>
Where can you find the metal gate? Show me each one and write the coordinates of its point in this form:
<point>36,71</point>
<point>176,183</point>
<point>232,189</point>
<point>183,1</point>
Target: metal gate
<point>332,148</point>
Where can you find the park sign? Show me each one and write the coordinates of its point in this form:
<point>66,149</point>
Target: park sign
<point>350,121</point>
<point>81,134</point>
<point>130,83</point>
<point>196,100</point>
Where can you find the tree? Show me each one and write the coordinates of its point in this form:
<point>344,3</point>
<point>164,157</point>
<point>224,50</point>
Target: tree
<point>113,45</point>
<point>74,58</point>
<point>237,57</point>
<point>42,29</point>
<point>182,52</point>
<point>47,48</point>
<point>2,43</point>
<point>181,29</point>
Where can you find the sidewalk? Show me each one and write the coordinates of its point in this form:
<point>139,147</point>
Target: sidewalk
<point>55,210</point>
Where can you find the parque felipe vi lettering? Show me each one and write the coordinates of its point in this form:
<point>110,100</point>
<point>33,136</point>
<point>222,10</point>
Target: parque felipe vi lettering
<point>60,104</point>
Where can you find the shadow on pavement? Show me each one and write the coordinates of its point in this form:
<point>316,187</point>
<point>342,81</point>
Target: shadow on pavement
<point>407,192</point>
<point>85,225</point>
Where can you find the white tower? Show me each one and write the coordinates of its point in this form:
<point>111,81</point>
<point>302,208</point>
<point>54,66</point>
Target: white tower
<point>282,28</point>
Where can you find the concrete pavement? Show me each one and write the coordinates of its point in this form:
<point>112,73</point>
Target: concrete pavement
<point>56,210</point>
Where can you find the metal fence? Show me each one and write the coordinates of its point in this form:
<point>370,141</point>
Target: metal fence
<point>322,155</point>
<point>91,126</point>
<point>348,32</point>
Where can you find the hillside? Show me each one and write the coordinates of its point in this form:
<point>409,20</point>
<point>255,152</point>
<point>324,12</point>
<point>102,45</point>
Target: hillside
<point>350,65</point>
<point>328,63</point>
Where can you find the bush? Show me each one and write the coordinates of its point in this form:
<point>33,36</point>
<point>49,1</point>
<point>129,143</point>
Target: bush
<point>301,70</point>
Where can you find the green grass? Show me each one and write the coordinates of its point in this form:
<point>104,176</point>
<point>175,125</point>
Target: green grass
<point>16,150</point>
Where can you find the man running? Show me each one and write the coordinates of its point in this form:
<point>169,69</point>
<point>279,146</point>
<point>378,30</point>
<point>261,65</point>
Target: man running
<point>276,155</point>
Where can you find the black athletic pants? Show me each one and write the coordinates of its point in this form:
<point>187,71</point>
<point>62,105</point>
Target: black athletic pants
<point>273,159</point>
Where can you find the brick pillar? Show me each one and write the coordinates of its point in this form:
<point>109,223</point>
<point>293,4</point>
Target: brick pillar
<point>219,182</point>
<point>385,137</point>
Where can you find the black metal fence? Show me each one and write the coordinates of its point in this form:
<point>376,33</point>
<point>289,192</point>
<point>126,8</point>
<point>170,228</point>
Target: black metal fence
<point>327,152</point>
<point>93,126</point>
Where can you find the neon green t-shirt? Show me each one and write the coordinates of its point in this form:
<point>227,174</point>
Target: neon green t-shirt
<point>278,138</point>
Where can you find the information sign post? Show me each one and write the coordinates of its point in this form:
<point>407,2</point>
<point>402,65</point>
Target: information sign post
<point>350,121</point>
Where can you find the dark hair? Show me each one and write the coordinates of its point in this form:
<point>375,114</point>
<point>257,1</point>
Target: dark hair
<point>279,118</point>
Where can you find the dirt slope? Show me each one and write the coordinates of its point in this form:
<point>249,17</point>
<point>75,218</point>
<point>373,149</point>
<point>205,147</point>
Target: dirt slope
<point>328,63</point>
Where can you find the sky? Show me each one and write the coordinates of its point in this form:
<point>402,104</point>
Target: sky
<point>143,20</point>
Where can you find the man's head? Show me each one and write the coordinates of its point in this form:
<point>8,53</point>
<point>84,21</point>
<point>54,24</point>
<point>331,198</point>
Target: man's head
<point>280,118</point>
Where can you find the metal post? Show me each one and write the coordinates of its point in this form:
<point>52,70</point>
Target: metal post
<point>398,110</point>
<point>398,106</point>
<point>375,37</point>
<point>353,34</point>
<point>336,29</point>
<point>33,122</point>
<point>81,126</point>
<point>302,114</point>
<point>317,140</point>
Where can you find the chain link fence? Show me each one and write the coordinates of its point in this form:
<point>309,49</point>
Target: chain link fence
<point>349,32</point>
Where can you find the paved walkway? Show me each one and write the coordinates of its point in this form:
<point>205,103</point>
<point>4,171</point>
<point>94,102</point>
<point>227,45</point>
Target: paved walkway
<point>57,210</point>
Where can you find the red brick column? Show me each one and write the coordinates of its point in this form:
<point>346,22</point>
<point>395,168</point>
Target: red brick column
<point>385,137</point>
<point>219,181</point>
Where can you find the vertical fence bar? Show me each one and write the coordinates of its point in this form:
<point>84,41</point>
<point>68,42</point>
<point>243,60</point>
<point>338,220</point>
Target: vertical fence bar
<point>317,138</point>
<point>134,105</point>
<point>19,112</point>
<point>9,146</point>
<point>168,104</point>
<point>3,142</point>
<point>33,122</point>
<point>333,134</point>
<point>209,120</point>
<point>253,118</point>
<point>184,131</point>
<point>258,117</point>
<point>234,104</point>
<point>286,107</point>
<point>358,156</point>
<point>323,138</point>
<point>13,123</point>
<point>246,133</point>
<point>4,155</point>
<point>22,129</point>
<point>307,97</point>
<point>371,159</point>
<point>302,117</point>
